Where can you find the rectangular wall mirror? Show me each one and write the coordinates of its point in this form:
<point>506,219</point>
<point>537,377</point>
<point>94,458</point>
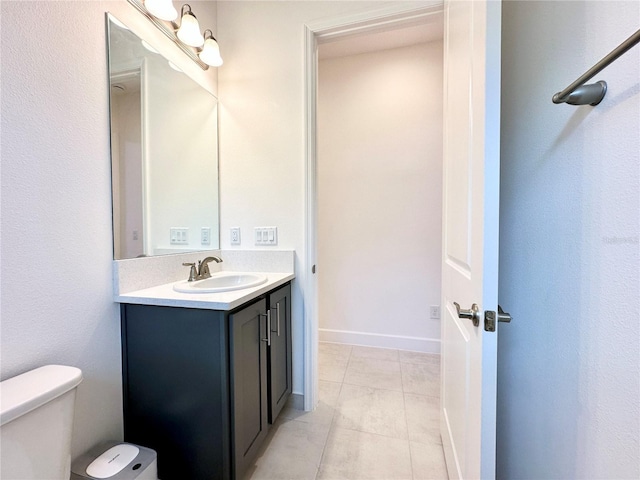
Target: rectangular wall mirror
<point>164,152</point>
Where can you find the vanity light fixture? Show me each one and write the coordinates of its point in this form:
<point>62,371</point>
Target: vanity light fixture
<point>210,53</point>
<point>189,31</point>
<point>203,50</point>
<point>162,9</point>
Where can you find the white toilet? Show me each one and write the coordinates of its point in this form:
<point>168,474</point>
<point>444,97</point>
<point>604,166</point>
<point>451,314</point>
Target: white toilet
<point>36,420</point>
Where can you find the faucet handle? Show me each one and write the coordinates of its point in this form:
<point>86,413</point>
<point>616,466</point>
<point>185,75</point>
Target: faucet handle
<point>193,274</point>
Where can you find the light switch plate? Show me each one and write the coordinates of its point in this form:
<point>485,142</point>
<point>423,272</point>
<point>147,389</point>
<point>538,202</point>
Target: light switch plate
<point>205,235</point>
<point>179,236</point>
<point>266,235</point>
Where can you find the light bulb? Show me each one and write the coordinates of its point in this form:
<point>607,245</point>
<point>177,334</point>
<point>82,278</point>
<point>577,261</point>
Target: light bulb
<point>189,31</point>
<point>162,9</point>
<point>210,53</point>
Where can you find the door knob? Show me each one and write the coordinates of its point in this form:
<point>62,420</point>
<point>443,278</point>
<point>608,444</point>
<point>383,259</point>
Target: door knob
<point>471,314</point>
<point>503,316</point>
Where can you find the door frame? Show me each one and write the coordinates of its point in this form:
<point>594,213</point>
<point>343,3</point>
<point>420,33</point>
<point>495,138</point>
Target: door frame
<point>315,33</point>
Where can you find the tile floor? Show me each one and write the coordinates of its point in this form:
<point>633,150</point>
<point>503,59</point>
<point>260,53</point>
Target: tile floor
<point>377,418</point>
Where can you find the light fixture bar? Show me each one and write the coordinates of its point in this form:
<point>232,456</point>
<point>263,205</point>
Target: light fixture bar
<point>137,4</point>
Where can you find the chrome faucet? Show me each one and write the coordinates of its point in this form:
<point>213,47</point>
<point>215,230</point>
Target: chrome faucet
<point>201,271</point>
<point>203,266</point>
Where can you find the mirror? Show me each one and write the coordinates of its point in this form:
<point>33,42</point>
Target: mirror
<point>164,152</point>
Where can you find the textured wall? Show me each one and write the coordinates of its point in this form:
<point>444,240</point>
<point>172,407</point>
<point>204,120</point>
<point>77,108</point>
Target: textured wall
<point>569,362</point>
<point>262,139</point>
<point>56,245</point>
<point>380,190</point>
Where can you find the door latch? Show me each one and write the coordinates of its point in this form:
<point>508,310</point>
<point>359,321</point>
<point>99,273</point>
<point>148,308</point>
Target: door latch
<point>490,319</point>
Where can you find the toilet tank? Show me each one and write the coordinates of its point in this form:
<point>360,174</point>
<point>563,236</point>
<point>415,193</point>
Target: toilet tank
<point>36,419</point>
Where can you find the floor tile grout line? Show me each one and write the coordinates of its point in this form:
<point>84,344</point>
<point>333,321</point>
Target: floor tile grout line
<point>406,422</point>
<point>369,386</point>
<point>332,426</point>
<point>398,350</point>
<point>371,433</point>
<point>333,416</point>
<point>377,359</point>
<point>427,364</point>
<point>347,367</point>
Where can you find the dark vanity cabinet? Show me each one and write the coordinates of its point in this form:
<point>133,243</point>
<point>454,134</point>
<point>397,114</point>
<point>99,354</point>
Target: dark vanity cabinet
<point>201,386</point>
<point>279,386</point>
<point>248,329</point>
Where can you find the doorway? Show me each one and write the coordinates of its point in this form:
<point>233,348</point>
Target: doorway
<point>471,185</point>
<point>379,184</point>
<point>380,28</point>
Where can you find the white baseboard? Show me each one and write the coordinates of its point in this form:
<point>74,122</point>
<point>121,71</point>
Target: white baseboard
<point>401,342</point>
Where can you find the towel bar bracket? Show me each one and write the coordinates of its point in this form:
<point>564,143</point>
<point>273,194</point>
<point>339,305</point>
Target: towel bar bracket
<point>591,94</point>
<point>580,94</point>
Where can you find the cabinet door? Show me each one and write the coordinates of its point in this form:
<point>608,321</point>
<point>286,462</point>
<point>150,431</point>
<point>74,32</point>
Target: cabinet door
<point>280,351</point>
<point>248,383</point>
<point>175,385</point>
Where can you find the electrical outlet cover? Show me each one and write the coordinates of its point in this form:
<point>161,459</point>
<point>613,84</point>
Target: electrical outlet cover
<point>235,236</point>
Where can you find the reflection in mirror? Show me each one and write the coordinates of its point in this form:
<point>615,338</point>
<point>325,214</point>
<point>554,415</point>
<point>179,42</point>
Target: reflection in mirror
<point>164,152</point>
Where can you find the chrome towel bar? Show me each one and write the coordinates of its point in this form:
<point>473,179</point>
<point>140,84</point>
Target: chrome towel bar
<point>580,94</point>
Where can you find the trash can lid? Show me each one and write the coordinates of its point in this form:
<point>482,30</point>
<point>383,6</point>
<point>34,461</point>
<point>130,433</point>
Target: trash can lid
<point>113,461</point>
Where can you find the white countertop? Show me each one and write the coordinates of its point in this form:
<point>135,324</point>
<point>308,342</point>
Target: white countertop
<point>166,296</point>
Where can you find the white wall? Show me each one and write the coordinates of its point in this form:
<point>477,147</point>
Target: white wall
<point>56,244</point>
<point>380,197</point>
<point>569,362</point>
<point>262,160</point>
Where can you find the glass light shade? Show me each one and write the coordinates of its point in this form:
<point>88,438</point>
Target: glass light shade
<point>162,9</point>
<point>174,66</point>
<point>118,23</point>
<point>189,31</point>
<point>210,53</point>
<point>148,47</point>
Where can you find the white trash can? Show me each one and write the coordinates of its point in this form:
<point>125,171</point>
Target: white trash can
<point>116,461</point>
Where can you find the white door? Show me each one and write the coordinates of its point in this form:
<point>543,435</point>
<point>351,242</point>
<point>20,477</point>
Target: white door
<point>470,234</point>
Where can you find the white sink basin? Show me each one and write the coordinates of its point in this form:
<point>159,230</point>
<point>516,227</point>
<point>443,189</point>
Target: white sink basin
<point>221,282</point>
